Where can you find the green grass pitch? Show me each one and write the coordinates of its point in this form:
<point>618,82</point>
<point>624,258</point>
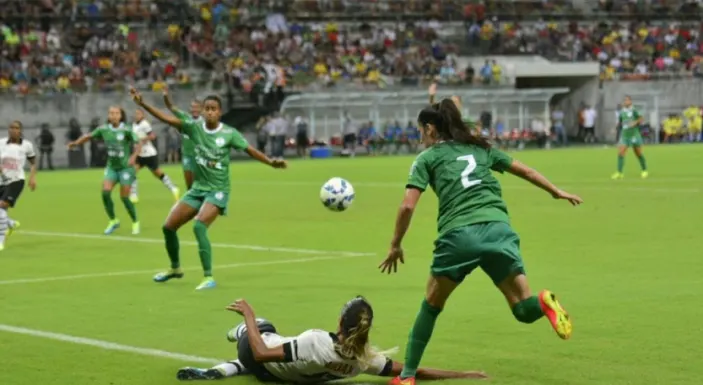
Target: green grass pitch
<point>627,265</point>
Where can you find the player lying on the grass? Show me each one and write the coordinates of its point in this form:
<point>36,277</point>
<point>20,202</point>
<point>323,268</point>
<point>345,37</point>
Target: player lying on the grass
<point>312,357</point>
<point>209,196</point>
<point>15,151</point>
<point>187,147</point>
<point>119,140</point>
<point>149,157</point>
<point>473,225</point>
<point>630,136</point>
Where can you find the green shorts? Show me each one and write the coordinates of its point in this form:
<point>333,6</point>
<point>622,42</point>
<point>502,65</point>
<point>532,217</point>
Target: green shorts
<point>196,198</point>
<point>493,246</point>
<point>125,176</point>
<point>631,140</point>
<point>188,163</point>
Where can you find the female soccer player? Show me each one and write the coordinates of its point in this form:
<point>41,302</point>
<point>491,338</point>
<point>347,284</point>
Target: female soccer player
<point>314,356</point>
<point>187,147</point>
<point>473,226</point>
<point>15,151</point>
<point>208,197</point>
<point>119,139</point>
<point>149,157</point>
<point>630,120</point>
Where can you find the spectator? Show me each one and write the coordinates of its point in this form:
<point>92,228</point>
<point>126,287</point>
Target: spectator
<point>262,133</point>
<point>46,146</point>
<point>558,125</point>
<point>302,138</point>
<point>589,124</point>
<point>349,133</point>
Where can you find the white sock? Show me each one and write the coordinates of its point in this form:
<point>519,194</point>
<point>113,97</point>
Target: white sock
<point>133,192</point>
<point>231,368</point>
<point>10,223</point>
<point>3,225</point>
<point>167,182</point>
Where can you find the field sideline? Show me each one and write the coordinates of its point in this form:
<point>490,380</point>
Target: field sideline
<point>79,308</point>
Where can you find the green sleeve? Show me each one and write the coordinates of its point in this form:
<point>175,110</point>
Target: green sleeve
<point>97,133</point>
<point>180,114</point>
<point>636,114</point>
<point>498,160</point>
<point>419,174</point>
<point>239,142</point>
<point>186,124</point>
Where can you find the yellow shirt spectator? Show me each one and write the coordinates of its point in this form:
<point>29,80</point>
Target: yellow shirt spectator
<point>62,82</point>
<point>674,53</point>
<point>695,125</point>
<point>105,63</point>
<point>320,69</point>
<point>361,68</point>
<point>158,86</point>
<point>5,83</point>
<point>373,76</point>
<point>497,72</point>
<point>336,74</point>
<point>174,31</point>
<point>692,112</point>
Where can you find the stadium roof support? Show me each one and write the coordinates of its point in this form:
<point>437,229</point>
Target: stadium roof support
<point>315,104</point>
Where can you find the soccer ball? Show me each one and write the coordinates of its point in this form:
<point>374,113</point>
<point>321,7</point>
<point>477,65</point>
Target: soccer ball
<point>337,194</point>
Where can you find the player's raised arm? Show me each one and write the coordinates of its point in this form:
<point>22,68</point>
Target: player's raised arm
<point>168,102</point>
<point>83,139</point>
<point>432,91</point>
<point>533,176</point>
<point>260,351</point>
<point>261,157</point>
<point>155,112</point>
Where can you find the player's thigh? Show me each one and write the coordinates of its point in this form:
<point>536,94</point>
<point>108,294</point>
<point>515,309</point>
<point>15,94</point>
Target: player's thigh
<point>208,213</point>
<point>126,177</point>
<point>180,214</point>
<point>456,254</point>
<point>439,288</point>
<point>500,257</point>
<point>110,179</point>
<point>622,147</point>
<point>216,202</point>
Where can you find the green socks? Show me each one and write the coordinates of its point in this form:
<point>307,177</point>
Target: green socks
<point>643,162</point>
<point>621,163</point>
<point>109,206</point>
<point>419,338</point>
<point>172,247</point>
<point>204,248</point>
<point>528,310</point>
<point>130,208</point>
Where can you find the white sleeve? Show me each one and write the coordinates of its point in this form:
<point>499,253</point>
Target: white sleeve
<point>29,150</point>
<point>379,365</point>
<point>312,345</point>
<point>147,127</point>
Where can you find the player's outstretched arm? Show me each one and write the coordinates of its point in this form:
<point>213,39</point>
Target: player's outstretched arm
<point>155,112</point>
<point>531,175</point>
<point>261,157</point>
<point>436,374</point>
<point>83,139</point>
<point>168,102</point>
<point>402,223</point>
<point>260,351</point>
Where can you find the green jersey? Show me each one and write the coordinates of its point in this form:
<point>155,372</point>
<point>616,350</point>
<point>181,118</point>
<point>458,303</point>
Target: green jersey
<point>460,175</point>
<point>211,149</point>
<point>628,122</point>
<point>119,142</point>
<point>187,146</point>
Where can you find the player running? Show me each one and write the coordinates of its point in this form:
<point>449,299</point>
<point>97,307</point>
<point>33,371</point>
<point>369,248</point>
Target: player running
<point>314,356</point>
<point>148,157</point>
<point>119,140</point>
<point>15,151</point>
<point>209,196</point>
<point>187,147</point>
<point>630,120</point>
<point>473,226</point>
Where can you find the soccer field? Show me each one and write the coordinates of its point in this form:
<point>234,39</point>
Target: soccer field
<point>80,308</point>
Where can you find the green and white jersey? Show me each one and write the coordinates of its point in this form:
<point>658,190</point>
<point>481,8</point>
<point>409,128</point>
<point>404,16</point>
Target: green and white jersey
<point>628,119</point>
<point>461,177</point>
<point>187,146</point>
<point>119,142</point>
<point>211,149</point>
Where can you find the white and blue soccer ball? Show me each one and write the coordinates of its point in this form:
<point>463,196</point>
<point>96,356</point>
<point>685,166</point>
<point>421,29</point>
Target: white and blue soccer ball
<point>337,194</point>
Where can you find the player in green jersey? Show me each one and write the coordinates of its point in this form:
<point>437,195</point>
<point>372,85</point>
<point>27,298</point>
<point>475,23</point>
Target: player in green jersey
<point>630,121</point>
<point>121,158</point>
<point>187,146</point>
<point>473,226</point>
<point>208,197</point>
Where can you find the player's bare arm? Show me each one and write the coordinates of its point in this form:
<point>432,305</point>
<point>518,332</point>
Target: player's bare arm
<point>437,374</point>
<point>153,111</point>
<point>432,91</point>
<point>261,352</point>
<point>167,100</point>
<point>402,223</point>
<point>32,173</point>
<point>261,157</point>
<point>82,140</point>
<point>137,149</point>
<point>533,176</point>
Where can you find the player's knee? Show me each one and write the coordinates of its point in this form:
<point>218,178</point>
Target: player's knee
<point>167,229</point>
<point>199,227</point>
<point>106,193</point>
<point>522,313</point>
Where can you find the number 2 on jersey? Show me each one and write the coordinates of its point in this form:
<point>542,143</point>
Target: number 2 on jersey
<point>470,167</point>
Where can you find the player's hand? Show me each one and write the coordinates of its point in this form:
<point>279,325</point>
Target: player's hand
<point>433,89</point>
<point>70,145</point>
<point>390,264</point>
<point>473,375</point>
<point>241,306</point>
<point>573,199</point>
<point>136,96</point>
<point>279,163</point>
<point>32,184</point>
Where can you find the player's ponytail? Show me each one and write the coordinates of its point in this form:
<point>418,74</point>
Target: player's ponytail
<point>123,116</point>
<point>355,325</point>
<point>454,128</point>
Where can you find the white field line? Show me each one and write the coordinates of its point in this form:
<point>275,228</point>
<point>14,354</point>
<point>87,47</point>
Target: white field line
<point>107,345</point>
<point>152,271</point>
<point>138,239</point>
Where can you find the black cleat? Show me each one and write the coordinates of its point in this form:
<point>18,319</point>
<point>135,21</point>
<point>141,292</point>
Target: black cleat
<point>199,374</point>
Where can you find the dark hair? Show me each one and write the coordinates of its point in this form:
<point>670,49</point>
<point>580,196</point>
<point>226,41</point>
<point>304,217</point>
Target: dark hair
<point>446,118</point>
<point>356,320</point>
<point>215,99</point>
<point>123,115</point>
